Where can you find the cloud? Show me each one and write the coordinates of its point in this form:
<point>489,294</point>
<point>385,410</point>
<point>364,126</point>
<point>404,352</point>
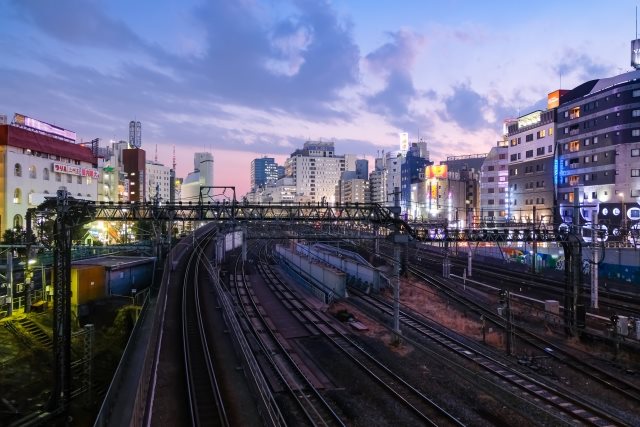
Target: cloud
<point>466,108</point>
<point>393,62</point>
<point>78,23</point>
<point>581,65</point>
<point>397,55</point>
<point>298,63</point>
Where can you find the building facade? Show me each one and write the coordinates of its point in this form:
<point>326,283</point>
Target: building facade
<point>599,151</point>
<point>316,171</point>
<point>531,154</point>
<point>36,165</point>
<point>393,174</point>
<point>378,182</point>
<point>199,179</point>
<point>411,173</point>
<point>264,171</point>
<point>158,182</point>
<point>352,188</point>
<point>134,168</point>
<point>494,185</point>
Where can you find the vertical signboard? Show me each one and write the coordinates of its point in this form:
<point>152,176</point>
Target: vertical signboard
<point>635,53</point>
<point>404,142</point>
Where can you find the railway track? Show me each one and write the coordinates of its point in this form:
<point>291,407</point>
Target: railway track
<point>610,381</point>
<point>313,408</point>
<point>206,405</point>
<point>427,410</point>
<point>610,301</point>
<point>576,409</point>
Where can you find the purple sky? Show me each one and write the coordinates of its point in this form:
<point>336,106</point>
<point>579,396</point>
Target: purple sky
<point>247,78</point>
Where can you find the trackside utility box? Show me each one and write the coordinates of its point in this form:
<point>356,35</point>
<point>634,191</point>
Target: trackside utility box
<point>87,284</point>
<point>552,306</point>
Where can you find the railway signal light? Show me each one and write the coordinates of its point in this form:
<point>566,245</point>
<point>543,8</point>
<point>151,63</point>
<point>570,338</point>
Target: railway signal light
<point>502,296</point>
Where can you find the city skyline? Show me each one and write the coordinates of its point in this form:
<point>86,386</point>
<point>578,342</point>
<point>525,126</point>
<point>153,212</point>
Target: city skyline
<point>258,78</point>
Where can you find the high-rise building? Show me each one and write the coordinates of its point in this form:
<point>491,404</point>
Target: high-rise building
<point>352,188</point>
<point>264,171</point>
<point>378,183</point>
<point>199,179</point>
<point>135,134</point>
<point>463,197</point>
<point>494,185</point>
<point>158,182</point>
<point>411,173</point>
<point>393,162</point>
<point>598,140</point>
<point>362,169</point>
<point>133,166</point>
<point>531,155</point>
<point>316,170</point>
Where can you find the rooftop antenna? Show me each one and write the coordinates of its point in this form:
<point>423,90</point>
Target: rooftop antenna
<point>560,72</point>
<point>174,157</point>
<point>155,158</point>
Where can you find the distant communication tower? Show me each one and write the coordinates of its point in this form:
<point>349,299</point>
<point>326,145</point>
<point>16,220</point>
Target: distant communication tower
<point>135,134</point>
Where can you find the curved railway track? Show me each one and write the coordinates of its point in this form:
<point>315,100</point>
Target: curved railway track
<point>206,405</point>
<point>576,409</point>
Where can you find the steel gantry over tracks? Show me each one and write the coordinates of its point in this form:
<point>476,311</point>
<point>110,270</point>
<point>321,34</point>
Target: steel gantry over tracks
<point>67,213</point>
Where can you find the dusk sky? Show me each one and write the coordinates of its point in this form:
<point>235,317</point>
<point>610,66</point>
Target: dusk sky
<point>247,78</point>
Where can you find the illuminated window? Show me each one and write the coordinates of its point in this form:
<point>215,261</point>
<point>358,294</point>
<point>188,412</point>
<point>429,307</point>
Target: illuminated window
<point>541,133</point>
<point>635,113</point>
<point>574,113</point>
<point>635,132</point>
<point>635,152</point>
<point>574,180</point>
<point>570,197</point>
<point>17,196</point>
<point>635,172</point>
<point>17,221</point>
<point>17,170</point>
<point>574,146</point>
<point>32,172</point>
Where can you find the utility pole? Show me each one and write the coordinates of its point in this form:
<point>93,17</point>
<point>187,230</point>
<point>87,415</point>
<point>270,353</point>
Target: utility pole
<point>504,309</point>
<point>594,259</point>
<point>446,261</point>
<point>61,393</point>
<point>535,243</point>
<point>27,267</point>
<point>10,281</point>
<point>396,293</point>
